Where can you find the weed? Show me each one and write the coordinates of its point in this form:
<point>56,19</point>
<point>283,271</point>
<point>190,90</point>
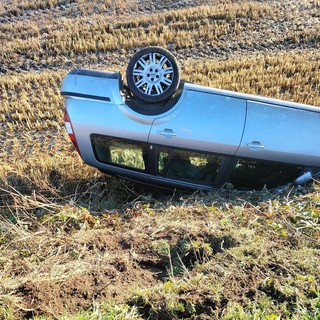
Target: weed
<point>161,247</point>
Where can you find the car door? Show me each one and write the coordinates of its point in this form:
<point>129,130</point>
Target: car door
<point>203,121</point>
<point>281,133</point>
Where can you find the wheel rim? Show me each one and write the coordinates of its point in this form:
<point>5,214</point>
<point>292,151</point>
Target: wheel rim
<point>153,74</point>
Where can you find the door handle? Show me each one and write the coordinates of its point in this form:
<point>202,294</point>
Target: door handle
<point>255,145</point>
<point>167,133</point>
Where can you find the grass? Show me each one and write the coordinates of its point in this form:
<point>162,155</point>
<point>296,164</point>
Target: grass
<point>76,244</point>
<point>18,8</point>
<point>228,256</point>
<point>207,22</point>
<point>289,76</point>
<point>196,27</point>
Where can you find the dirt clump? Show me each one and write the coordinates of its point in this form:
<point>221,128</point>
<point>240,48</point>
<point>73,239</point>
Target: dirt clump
<point>79,292</point>
<point>92,268</point>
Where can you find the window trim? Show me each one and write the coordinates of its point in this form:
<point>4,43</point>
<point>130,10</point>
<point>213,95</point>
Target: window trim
<point>151,174</point>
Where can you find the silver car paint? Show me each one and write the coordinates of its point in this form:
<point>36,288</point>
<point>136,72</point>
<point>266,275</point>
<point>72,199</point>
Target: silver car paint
<point>281,134</point>
<point>207,119</point>
<point>204,122</point>
<point>94,84</point>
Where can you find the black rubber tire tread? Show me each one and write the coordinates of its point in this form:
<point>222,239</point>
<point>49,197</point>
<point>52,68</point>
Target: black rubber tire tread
<point>167,94</point>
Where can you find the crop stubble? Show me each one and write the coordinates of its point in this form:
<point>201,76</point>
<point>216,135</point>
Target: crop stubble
<point>247,46</point>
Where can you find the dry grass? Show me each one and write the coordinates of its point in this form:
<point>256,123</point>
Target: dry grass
<point>70,236</point>
<point>31,102</point>
<point>183,28</point>
<point>20,7</point>
<point>289,76</point>
<point>215,254</point>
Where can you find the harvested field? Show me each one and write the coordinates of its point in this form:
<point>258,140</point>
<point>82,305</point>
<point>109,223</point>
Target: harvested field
<point>77,244</point>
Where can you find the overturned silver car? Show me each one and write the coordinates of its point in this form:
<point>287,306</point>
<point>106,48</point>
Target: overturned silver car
<point>162,131</point>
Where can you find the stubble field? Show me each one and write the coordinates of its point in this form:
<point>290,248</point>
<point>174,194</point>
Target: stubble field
<point>76,244</point>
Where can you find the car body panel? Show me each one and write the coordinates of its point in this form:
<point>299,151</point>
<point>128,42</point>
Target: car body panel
<point>251,97</point>
<point>219,122</point>
<point>97,117</point>
<point>280,133</point>
<point>204,121</point>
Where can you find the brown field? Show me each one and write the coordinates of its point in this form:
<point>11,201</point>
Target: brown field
<point>76,244</point>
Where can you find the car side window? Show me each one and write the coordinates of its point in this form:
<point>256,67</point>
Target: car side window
<point>120,152</point>
<point>256,174</point>
<point>188,165</point>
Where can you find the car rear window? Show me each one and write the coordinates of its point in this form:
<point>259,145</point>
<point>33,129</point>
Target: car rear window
<point>120,152</point>
<point>260,173</point>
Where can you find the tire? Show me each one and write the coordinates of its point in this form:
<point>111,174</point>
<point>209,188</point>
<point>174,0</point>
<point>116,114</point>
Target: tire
<point>153,75</point>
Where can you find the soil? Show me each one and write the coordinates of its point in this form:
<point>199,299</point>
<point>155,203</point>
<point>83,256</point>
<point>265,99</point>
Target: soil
<point>116,258</point>
<point>78,268</point>
<point>114,264</point>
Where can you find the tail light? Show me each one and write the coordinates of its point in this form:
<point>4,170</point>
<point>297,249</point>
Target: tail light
<point>69,128</point>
